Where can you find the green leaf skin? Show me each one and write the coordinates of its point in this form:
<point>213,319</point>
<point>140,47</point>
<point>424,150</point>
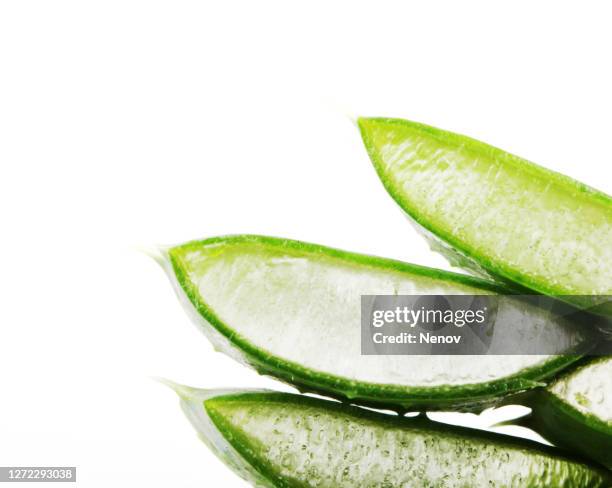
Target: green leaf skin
<point>292,310</point>
<point>290,441</point>
<point>575,411</point>
<point>496,212</point>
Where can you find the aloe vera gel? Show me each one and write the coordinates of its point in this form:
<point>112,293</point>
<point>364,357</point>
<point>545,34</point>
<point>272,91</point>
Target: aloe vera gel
<point>575,410</point>
<point>283,440</point>
<point>295,311</point>
<point>292,310</point>
<point>496,212</point>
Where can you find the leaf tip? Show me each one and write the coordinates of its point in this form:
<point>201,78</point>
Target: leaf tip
<point>181,390</point>
<point>159,254</point>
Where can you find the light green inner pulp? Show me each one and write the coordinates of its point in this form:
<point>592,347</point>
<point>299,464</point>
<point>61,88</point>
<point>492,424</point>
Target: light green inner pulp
<point>318,447</point>
<point>518,217</point>
<point>588,389</point>
<point>305,308</point>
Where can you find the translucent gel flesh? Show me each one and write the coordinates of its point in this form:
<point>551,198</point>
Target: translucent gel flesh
<point>504,211</point>
<point>319,447</point>
<point>589,389</point>
<point>305,308</point>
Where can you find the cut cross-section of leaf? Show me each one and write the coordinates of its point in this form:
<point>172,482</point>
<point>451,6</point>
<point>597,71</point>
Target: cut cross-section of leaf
<point>490,211</point>
<point>281,440</point>
<point>575,411</point>
<point>292,310</point>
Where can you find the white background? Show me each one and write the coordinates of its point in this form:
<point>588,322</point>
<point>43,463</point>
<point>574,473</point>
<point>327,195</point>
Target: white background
<point>134,123</point>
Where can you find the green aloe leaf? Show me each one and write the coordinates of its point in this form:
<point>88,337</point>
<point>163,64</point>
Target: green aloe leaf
<point>490,211</point>
<point>575,411</point>
<point>290,441</point>
<point>292,310</point>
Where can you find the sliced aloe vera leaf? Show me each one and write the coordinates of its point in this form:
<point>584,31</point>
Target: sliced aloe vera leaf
<point>497,212</point>
<point>575,411</point>
<point>283,440</point>
<point>292,310</point>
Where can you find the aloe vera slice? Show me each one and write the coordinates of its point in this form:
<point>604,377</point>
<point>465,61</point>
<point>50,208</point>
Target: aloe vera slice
<point>292,310</point>
<point>496,212</point>
<point>575,411</point>
<point>283,440</point>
